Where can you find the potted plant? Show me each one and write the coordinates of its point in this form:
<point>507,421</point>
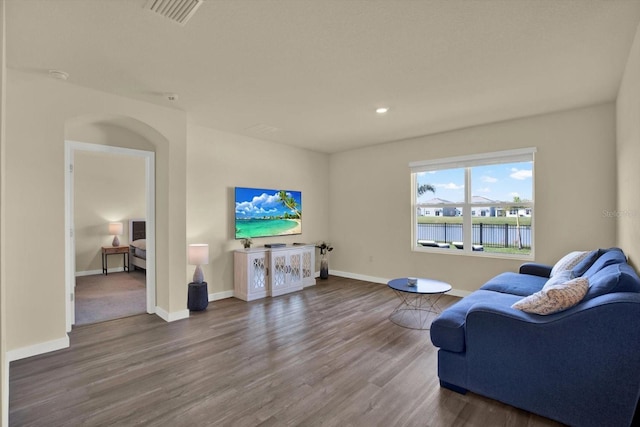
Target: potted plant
<point>246,243</point>
<point>325,248</point>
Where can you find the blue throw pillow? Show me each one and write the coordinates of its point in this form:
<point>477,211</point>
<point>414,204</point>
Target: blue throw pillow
<point>586,262</point>
<point>613,278</point>
<point>605,258</point>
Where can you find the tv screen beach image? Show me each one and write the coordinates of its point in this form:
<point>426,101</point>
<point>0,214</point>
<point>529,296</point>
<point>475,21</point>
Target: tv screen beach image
<point>263,213</point>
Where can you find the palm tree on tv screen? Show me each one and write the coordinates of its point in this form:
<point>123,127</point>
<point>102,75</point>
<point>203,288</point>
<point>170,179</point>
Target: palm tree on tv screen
<point>289,202</point>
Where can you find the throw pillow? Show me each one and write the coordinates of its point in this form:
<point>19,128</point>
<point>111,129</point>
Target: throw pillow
<point>140,244</point>
<point>568,261</point>
<point>554,297</point>
<point>587,262</point>
<point>559,278</point>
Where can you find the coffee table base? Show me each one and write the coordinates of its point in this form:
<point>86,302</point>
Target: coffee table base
<point>416,311</point>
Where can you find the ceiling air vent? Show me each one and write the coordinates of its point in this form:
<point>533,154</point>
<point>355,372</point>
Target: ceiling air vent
<point>179,11</point>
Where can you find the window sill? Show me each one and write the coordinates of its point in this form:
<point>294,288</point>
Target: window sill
<point>480,254</point>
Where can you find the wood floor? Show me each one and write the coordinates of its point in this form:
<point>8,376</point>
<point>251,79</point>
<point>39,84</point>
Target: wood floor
<point>326,356</point>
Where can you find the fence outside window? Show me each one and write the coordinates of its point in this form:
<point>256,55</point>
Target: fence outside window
<point>487,235</point>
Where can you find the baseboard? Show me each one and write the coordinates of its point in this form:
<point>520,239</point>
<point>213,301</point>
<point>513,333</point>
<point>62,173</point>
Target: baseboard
<point>359,277</point>
<point>453,292</point>
<point>458,293</point>
<point>36,349</point>
<point>172,317</point>
<point>220,295</point>
<point>94,272</point>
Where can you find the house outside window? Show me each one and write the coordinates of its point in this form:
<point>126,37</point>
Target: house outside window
<point>483,204</point>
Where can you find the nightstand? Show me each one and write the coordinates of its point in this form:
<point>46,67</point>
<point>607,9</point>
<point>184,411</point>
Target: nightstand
<point>115,250</point>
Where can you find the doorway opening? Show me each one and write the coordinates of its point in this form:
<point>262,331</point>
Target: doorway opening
<point>100,291</point>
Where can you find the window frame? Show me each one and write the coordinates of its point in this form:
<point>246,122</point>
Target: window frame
<point>467,163</point>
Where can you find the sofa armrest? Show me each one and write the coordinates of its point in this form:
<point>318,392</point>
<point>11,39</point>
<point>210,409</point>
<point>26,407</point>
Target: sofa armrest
<point>535,269</point>
<point>571,366</point>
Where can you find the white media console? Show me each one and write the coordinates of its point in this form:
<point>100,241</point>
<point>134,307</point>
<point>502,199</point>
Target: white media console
<point>262,272</point>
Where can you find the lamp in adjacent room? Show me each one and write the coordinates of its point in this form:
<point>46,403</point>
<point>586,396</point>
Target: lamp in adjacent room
<point>116,229</point>
<point>198,255</point>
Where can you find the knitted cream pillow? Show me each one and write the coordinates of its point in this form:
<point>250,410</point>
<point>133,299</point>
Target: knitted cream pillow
<point>555,296</point>
<point>568,261</point>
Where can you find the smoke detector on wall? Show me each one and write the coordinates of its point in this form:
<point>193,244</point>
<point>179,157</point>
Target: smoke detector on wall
<point>179,11</point>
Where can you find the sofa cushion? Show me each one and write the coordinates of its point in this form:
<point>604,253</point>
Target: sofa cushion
<point>515,284</point>
<point>560,293</point>
<point>606,257</point>
<point>613,278</point>
<point>568,262</point>
<point>447,330</point>
<point>587,262</point>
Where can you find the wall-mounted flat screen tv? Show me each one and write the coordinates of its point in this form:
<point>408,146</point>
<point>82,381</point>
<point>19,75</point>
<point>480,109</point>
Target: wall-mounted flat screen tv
<point>264,213</point>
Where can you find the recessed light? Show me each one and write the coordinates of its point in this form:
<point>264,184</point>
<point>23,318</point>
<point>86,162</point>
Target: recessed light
<point>382,110</point>
<point>59,74</point>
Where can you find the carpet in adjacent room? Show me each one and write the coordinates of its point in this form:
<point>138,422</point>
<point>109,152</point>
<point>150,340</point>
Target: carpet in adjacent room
<point>99,298</point>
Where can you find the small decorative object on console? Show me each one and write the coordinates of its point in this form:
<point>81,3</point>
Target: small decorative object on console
<point>246,243</point>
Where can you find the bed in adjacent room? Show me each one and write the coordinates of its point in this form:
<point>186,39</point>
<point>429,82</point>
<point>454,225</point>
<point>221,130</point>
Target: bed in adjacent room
<point>138,245</point>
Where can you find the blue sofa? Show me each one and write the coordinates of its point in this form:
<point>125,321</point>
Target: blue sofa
<point>580,366</point>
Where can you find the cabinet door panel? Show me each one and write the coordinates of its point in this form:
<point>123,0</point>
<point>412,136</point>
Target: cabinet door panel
<point>257,275</point>
<point>307,267</point>
<point>278,271</point>
<point>295,267</point>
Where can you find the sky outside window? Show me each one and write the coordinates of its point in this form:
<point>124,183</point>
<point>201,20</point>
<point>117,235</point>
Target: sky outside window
<point>449,185</point>
<point>498,182</point>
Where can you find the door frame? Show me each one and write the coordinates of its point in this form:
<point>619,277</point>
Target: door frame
<point>70,147</point>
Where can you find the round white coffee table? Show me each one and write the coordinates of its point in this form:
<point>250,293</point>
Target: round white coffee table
<point>418,304</point>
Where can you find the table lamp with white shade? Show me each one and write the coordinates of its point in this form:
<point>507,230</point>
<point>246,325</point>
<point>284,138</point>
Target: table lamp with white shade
<point>116,229</point>
<point>198,255</point>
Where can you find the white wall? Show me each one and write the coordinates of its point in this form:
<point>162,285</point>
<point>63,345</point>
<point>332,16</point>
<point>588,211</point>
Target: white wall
<point>628,145</point>
<point>216,163</point>
<point>108,187</point>
<point>4,371</point>
<point>369,202</point>
<point>41,114</point>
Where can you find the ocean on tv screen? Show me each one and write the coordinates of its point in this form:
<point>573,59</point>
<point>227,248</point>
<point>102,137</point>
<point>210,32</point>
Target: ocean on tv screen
<point>266,227</point>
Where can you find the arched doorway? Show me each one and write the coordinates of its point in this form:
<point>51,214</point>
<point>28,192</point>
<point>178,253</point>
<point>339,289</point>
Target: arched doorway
<point>123,136</point>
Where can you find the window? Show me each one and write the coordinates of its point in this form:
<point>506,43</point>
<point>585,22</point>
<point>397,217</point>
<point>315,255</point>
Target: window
<point>483,204</point>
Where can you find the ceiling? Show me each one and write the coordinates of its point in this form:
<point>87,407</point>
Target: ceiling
<point>310,73</point>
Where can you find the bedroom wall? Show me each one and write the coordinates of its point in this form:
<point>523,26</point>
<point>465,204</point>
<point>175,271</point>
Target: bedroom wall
<point>38,108</point>
<point>575,181</point>
<point>108,187</point>
<point>216,163</point>
<point>628,153</point>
